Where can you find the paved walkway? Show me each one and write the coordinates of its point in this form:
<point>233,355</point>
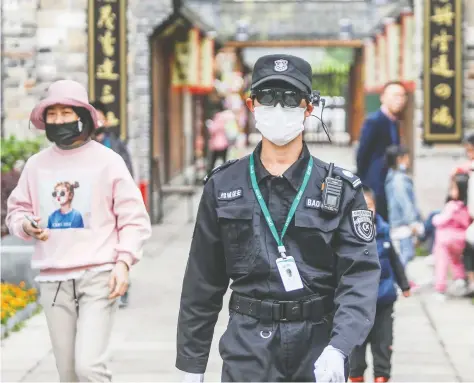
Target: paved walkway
<point>433,341</point>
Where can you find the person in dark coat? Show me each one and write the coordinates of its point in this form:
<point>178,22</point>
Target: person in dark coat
<point>380,130</point>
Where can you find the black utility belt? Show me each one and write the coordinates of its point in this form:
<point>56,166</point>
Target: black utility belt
<point>310,308</point>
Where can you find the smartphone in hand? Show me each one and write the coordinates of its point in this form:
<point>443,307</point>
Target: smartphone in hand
<point>32,221</point>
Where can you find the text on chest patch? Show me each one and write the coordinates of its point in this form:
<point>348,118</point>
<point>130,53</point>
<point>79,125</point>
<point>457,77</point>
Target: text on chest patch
<point>230,195</point>
<point>312,203</point>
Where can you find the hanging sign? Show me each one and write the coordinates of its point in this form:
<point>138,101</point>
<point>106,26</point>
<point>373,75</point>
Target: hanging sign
<point>443,71</point>
<point>185,62</point>
<point>108,59</point>
<point>206,78</point>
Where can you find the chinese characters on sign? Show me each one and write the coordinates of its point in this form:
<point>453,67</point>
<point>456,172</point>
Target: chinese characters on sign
<point>443,71</point>
<point>108,59</point>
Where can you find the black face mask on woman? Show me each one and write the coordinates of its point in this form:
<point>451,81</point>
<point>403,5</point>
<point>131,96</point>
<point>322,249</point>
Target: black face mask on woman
<point>64,134</point>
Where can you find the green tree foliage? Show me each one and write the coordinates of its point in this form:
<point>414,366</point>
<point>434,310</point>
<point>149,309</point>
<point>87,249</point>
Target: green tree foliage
<point>14,150</point>
<point>331,80</point>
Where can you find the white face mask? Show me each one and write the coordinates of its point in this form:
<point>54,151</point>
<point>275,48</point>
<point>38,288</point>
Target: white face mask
<point>279,125</point>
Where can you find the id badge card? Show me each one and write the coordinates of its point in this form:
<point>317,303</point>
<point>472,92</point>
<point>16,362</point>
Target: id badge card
<point>289,274</point>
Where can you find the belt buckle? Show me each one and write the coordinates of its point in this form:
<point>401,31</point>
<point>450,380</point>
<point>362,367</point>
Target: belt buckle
<point>290,310</point>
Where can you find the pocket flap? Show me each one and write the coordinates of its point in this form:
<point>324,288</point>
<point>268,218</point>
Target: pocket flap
<point>235,212</point>
<point>312,220</point>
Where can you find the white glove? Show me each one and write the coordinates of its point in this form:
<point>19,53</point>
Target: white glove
<point>193,378</point>
<point>330,366</point>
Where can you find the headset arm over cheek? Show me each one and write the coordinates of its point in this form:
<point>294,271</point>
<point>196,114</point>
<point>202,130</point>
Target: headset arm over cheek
<point>358,275</point>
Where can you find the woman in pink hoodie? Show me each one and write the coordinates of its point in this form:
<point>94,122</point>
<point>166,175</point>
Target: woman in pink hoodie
<point>450,237</point>
<point>86,238</point>
<point>218,142</point>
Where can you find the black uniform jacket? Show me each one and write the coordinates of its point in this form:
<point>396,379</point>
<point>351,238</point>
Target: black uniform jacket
<point>232,241</point>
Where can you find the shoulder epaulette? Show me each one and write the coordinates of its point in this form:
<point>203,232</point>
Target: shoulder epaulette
<point>218,168</point>
<point>348,176</point>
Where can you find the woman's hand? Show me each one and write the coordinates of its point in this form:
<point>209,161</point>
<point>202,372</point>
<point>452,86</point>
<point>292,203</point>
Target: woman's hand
<point>38,233</point>
<point>118,283</point>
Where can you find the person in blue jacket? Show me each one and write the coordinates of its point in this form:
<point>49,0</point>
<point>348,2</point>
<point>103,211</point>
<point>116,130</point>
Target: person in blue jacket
<point>380,130</point>
<point>381,335</point>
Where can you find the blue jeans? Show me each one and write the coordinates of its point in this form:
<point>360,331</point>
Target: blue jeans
<point>430,231</point>
<point>406,250</point>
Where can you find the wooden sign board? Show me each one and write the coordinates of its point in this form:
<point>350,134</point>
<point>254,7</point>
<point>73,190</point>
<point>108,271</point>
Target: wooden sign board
<point>443,71</point>
<point>108,59</point>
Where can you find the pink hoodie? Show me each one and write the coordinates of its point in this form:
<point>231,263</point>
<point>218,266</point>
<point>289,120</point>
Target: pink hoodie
<point>217,129</point>
<point>451,224</point>
<point>88,201</point>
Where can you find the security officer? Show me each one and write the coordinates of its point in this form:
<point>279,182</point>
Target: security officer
<point>297,240</point>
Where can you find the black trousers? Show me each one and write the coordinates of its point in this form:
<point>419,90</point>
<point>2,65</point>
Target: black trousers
<point>382,207</point>
<point>380,339</point>
<point>468,258</point>
<point>214,156</point>
<point>275,352</point>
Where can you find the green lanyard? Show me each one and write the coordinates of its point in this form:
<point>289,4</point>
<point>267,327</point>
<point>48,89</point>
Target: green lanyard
<point>291,213</point>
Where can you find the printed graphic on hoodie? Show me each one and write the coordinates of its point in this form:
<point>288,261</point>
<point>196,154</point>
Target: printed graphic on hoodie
<point>65,203</point>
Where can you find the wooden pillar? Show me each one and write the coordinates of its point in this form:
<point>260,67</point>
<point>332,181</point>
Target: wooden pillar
<point>356,107</point>
<point>407,134</point>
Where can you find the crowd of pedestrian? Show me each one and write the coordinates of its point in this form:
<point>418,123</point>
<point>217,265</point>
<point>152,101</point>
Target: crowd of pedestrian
<point>447,233</point>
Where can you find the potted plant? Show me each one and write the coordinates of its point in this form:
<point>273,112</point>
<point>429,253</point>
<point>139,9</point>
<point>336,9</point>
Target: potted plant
<point>14,155</point>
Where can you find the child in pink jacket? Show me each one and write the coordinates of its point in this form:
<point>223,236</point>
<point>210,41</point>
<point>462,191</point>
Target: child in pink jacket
<point>451,225</point>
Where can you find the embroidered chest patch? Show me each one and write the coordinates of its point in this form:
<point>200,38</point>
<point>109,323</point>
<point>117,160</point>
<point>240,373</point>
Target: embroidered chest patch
<point>312,203</point>
<point>230,195</point>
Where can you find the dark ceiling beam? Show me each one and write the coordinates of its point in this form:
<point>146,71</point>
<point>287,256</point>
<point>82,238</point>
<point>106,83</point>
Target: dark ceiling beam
<point>293,1</point>
<point>295,43</point>
<point>177,4</point>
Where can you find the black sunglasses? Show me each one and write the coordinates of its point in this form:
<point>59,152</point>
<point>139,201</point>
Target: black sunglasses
<point>60,194</point>
<point>273,96</point>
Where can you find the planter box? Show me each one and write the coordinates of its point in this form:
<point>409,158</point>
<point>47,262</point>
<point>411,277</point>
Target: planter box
<point>19,317</point>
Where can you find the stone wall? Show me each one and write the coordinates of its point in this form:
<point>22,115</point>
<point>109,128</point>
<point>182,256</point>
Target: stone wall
<point>144,16</point>
<point>46,40</point>
<point>19,28</point>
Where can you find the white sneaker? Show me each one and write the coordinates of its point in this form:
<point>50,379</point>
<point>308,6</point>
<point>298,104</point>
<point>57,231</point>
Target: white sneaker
<point>429,260</point>
<point>470,290</point>
<point>440,296</point>
<point>458,288</point>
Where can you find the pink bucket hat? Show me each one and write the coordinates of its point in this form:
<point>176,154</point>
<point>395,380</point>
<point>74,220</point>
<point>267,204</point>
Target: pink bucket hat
<point>64,92</point>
